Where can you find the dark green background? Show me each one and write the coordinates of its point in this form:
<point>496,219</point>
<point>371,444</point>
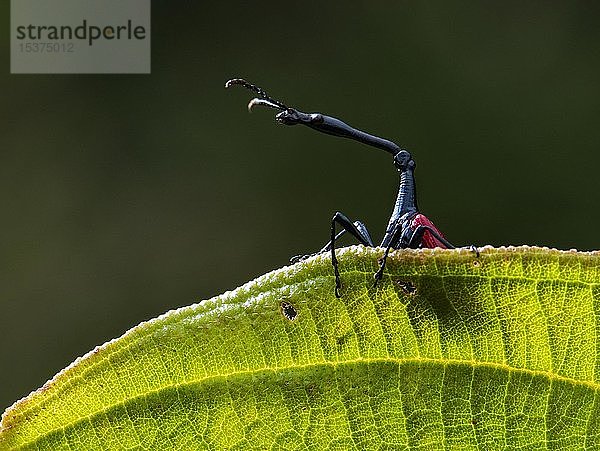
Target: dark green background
<point>125,196</point>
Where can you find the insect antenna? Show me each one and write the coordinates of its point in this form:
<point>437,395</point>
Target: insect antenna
<point>264,99</point>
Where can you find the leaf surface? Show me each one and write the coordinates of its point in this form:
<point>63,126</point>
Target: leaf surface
<point>449,351</point>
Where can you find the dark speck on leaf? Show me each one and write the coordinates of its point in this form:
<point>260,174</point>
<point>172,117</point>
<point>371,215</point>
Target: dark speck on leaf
<point>289,311</point>
<point>407,286</point>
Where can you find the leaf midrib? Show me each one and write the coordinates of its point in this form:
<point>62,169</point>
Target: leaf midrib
<point>551,376</point>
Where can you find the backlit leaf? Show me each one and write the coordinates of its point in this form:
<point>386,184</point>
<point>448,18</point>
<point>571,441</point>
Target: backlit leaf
<point>449,351</point>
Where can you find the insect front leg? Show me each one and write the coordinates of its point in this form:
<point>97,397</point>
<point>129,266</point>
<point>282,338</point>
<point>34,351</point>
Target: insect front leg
<point>357,229</point>
<point>301,257</point>
<point>361,234</point>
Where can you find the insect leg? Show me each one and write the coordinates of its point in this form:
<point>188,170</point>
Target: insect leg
<point>394,238</point>
<point>356,229</point>
<point>299,258</point>
<point>417,237</point>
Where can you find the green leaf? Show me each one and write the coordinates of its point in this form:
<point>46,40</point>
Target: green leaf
<point>448,351</point>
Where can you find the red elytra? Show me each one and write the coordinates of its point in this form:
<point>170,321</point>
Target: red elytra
<point>429,241</point>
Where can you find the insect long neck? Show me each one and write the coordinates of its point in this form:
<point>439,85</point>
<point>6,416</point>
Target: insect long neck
<point>406,201</point>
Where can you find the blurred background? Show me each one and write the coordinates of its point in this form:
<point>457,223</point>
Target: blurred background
<point>124,196</point>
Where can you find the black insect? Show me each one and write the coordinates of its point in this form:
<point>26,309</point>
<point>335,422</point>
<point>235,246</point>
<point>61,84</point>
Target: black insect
<point>407,228</point>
